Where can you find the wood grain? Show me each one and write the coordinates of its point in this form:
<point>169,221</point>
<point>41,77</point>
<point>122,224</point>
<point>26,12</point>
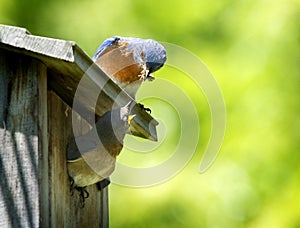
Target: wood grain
<point>65,208</point>
<point>19,149</point>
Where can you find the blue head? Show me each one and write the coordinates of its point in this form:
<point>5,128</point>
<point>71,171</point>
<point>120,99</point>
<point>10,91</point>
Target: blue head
<point>148,52</point>
<point>145,51</point>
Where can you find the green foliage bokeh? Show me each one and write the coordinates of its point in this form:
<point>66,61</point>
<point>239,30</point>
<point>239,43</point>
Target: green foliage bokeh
<point>252,48</point>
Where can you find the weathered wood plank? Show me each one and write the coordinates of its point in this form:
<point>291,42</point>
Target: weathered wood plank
<point>65,208</point>
<point>21,38</point>
<point>43,146</point>
<point>19,151</point>
<point>68,64</point>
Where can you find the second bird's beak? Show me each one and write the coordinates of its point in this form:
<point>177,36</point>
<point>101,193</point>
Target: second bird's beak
<point>129,119</point>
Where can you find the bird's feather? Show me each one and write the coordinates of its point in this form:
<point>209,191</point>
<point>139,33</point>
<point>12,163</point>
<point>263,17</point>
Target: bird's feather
<point>105,46</point>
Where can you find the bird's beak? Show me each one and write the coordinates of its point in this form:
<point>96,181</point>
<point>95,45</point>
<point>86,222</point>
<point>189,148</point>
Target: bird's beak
<point>129,119</point>
<point>148,76</point>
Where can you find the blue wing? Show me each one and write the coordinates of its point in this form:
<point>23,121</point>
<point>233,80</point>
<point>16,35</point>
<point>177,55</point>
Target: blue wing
<point>104,46</point>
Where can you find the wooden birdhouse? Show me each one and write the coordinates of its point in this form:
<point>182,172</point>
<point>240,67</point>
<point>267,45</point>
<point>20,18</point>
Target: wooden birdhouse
<point>39,78</point>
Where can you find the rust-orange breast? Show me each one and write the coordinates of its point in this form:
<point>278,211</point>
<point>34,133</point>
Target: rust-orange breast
<point>120,64</point>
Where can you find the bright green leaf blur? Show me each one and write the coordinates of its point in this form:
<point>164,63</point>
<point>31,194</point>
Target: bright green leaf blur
<point>253,50</point>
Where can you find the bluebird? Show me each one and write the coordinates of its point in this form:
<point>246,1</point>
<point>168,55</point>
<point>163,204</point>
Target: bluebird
<point>129,61</point>
<point>91,157</point>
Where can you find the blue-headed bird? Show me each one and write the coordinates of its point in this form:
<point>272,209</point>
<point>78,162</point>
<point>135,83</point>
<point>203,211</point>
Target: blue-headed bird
<point>129,61</point>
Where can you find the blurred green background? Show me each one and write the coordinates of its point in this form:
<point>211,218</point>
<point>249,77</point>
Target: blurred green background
<point>252,48</point>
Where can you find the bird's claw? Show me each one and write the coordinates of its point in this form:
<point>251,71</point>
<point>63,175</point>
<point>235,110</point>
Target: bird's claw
<point>83,193</point>
<point>72,187</point>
